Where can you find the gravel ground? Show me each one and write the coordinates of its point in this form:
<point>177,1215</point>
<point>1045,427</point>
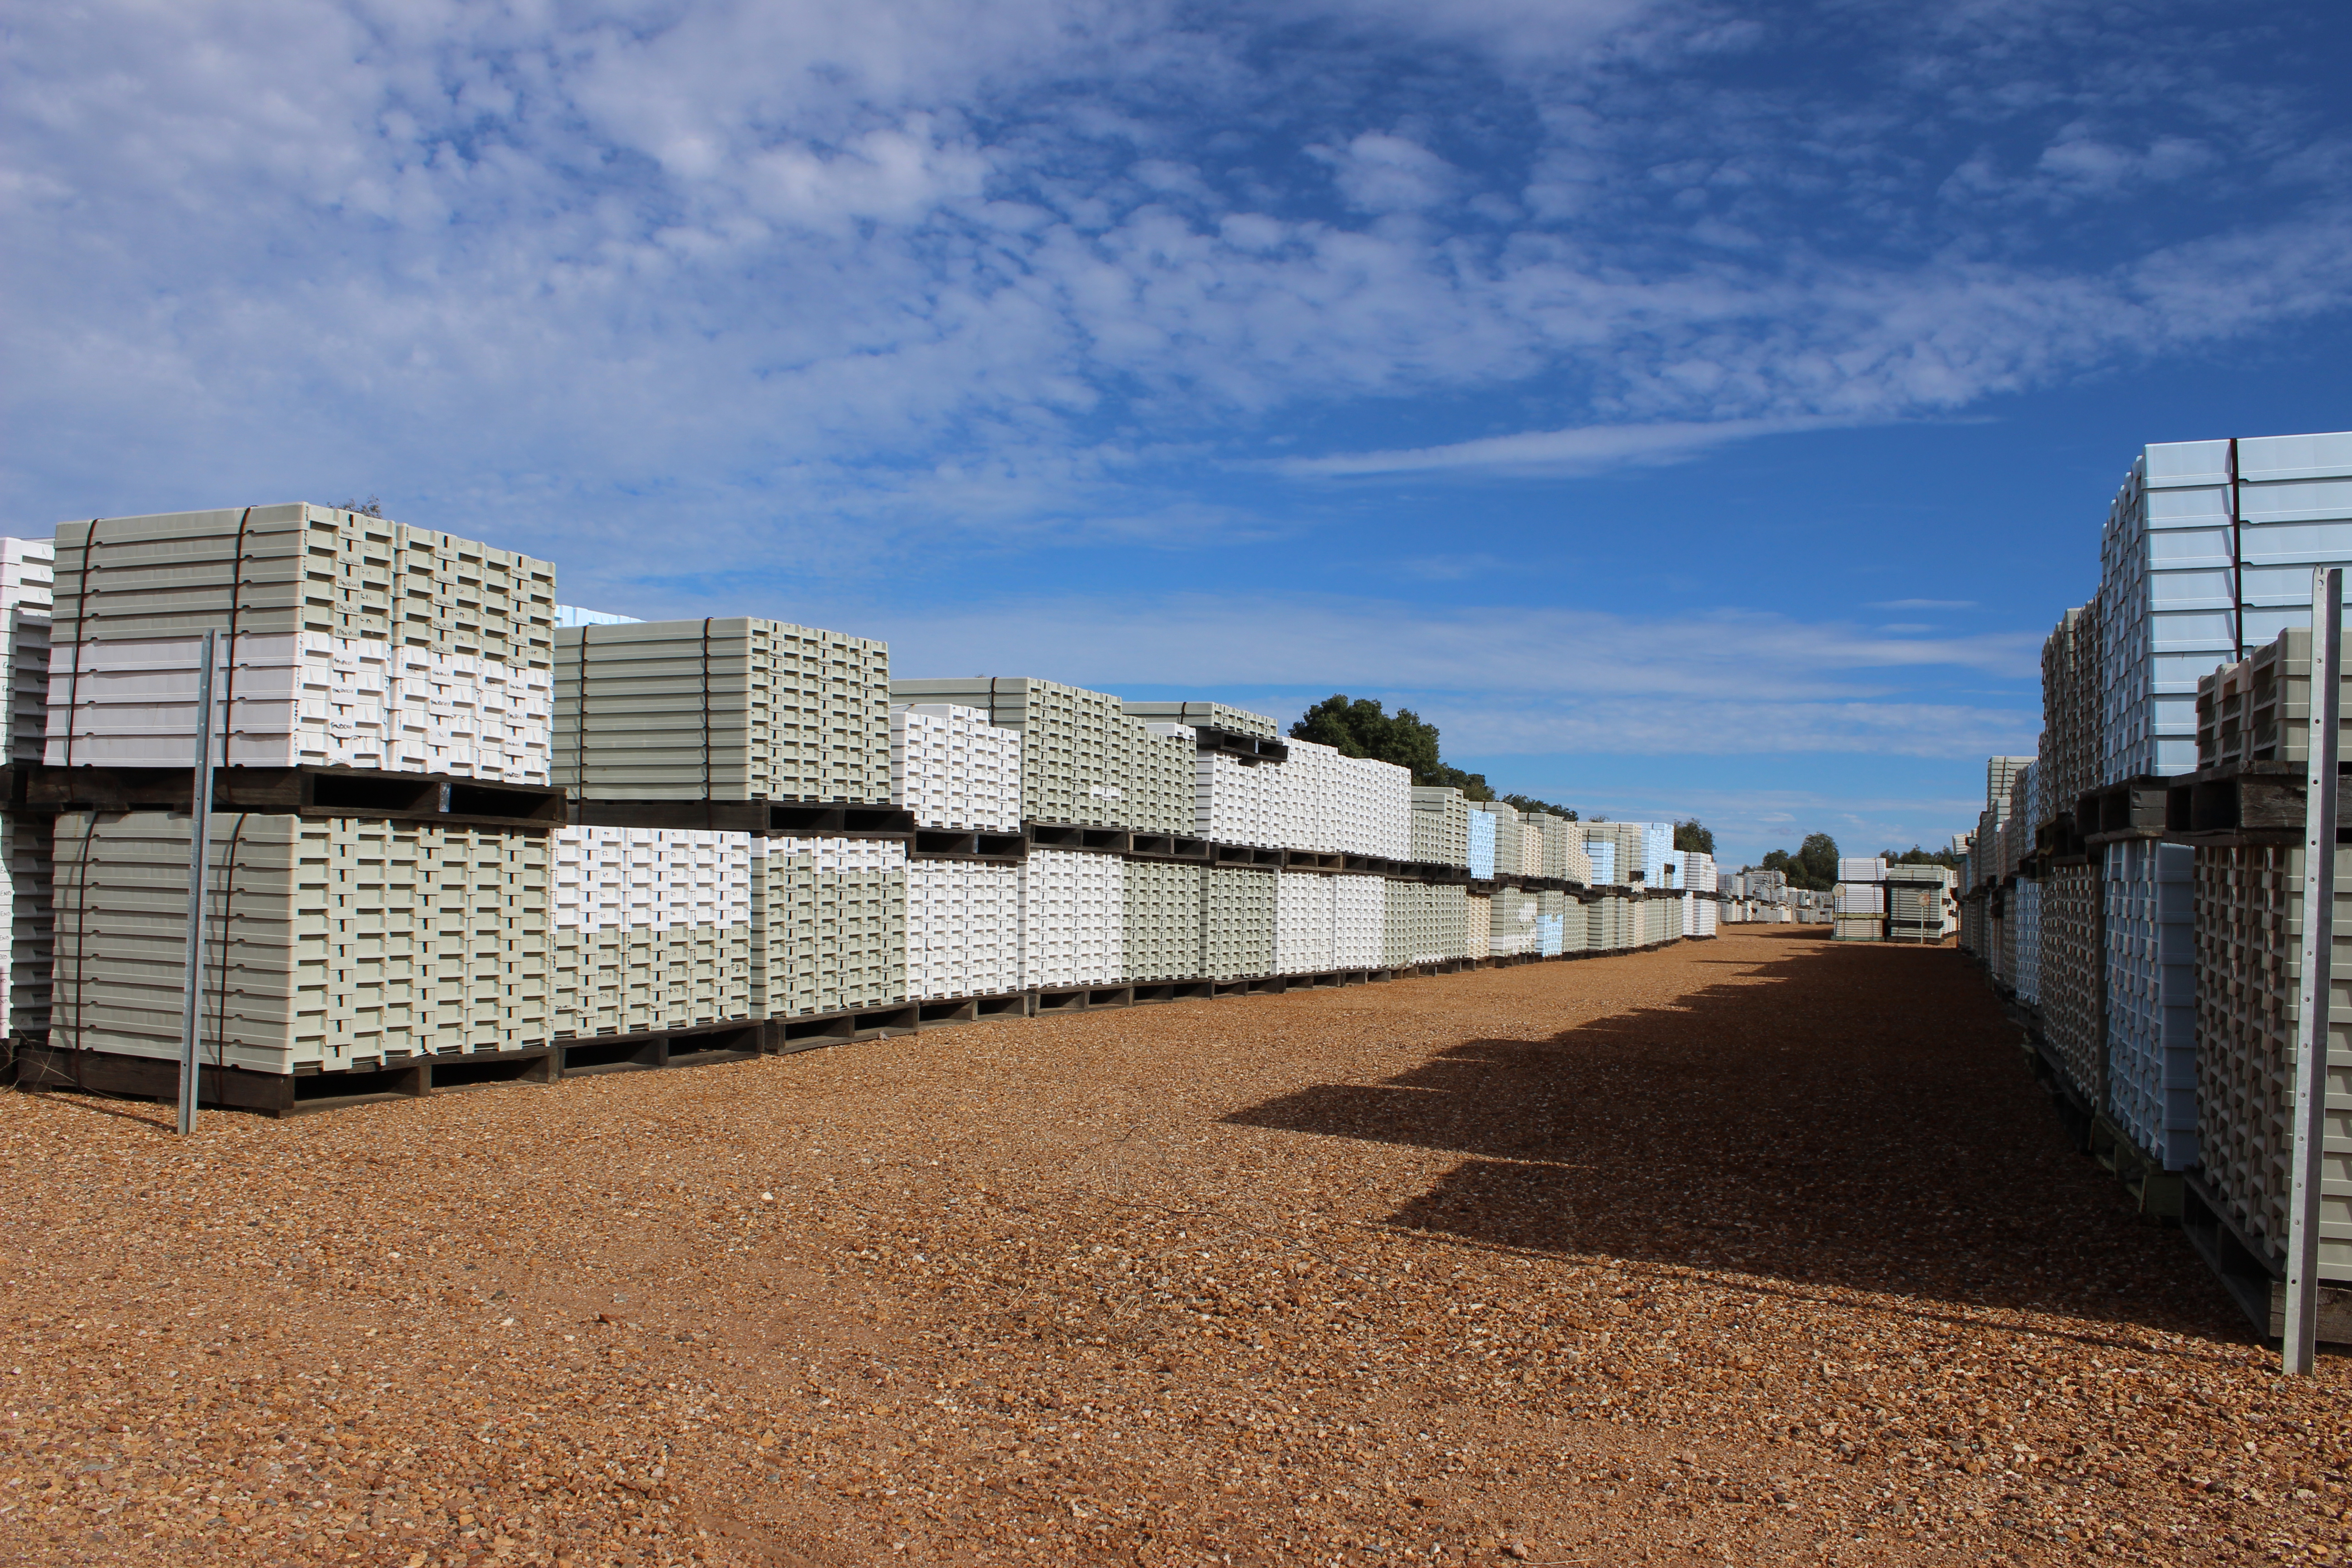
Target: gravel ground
<point>1747,1250</point>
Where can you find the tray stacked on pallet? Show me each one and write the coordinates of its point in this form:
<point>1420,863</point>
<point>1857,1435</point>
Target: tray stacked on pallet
<point>828,924</point>
<point>1423,922</point>
<point>2249,960</point>
<point>951,769</point>
<point>335,944</point>
<point>1511,923</point>
<point>1237,924</point>
<point>1552,922</point>
<point>1084,761</point>
<point>1073,920</point>
<point>2151,968</point>
<point>2073,981</point>
<point>1237,802</point>
<point>348,929</point>
<point>650,930</point>
<point>25,596</point>
<point>353,642</point>
<point>1305,928</point>
<point>1164,912</point>
<point>2069,982</point>
<point>1660,917</point>
<point>737,718</point>
<point>1341,805</point>
<point>1212,716</point>
<point>1502,830</point>
<point>1479,926</point>
<point>1479,844</point>
<point>2208,552</point>
<point>1440,827</point>
<point>736,709</point>
<point>963,929</point>
<point>1693,872</point>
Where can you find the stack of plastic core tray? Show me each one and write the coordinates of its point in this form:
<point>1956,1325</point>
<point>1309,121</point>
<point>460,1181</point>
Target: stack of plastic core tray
<point>2249,948</point>
<point>351,642</point>
<point>1084,761</point>
<point>1305,934</point>
<point>1479,837</point>
<point>1502,824</point>
<point>2151,964</point>
<point>1237,802</point>
<point>345,642</point>
<point>1203,715</point>
<point>650,930</point>
<point>24,842</point>
<point>1351,805</point>
<point>1551,923</point>
<point>1164,911</point>
<point>735,709</point>
<point>2208,550</point>
<point>828,924</point>
<point>1512,928</point>
<point>1073,920</point>
<point>1440,827</point>
<point>952,768</point>
<point>1237,923</point>
<point>963,929</point>
<point>331,943</point>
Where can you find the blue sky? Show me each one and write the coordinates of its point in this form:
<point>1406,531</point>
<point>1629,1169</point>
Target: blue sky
<point>1690,407</point>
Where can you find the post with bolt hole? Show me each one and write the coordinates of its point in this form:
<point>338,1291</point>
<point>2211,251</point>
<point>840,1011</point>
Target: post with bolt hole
<point>2314,997</point>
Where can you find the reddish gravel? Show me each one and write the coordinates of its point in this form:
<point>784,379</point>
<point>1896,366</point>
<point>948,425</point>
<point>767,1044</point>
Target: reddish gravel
<point>1757,1249</point>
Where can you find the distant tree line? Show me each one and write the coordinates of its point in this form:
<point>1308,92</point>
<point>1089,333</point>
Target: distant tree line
<point>1815,865</point>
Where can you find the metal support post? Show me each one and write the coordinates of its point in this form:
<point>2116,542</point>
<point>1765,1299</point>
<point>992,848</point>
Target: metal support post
<point>2313,996</point>
<point>200,821</point>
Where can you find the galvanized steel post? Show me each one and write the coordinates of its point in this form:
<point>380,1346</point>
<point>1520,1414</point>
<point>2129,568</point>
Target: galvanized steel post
<point>2314,997</point>
<point>200,821</point>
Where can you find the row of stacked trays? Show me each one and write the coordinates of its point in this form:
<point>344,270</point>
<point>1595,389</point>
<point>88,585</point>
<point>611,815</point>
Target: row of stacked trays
<point>2154,942</point>
<point>357,937</point>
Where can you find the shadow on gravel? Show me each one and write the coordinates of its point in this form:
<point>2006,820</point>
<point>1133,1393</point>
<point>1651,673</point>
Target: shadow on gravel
<point>1862,1118</point>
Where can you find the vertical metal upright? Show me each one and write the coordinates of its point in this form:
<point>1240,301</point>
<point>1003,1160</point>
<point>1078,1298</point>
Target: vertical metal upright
<point>200,823</point>
<point>2315,995</point>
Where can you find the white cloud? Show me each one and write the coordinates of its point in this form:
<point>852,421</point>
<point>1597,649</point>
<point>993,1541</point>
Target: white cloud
<point>1587,449</point>
<point>1382,173</point>
<point>812,262</point>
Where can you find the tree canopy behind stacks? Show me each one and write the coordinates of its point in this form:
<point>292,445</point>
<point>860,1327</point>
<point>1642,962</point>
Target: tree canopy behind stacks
<point>1363,728</point>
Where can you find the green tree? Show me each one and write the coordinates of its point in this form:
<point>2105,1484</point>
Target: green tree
<point>1695,836</point>
<point>1529,806</point>
<point>1363,728</point>
<point>1915,855</point>
<point>1818,854</point>
<point>1814,865</point>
